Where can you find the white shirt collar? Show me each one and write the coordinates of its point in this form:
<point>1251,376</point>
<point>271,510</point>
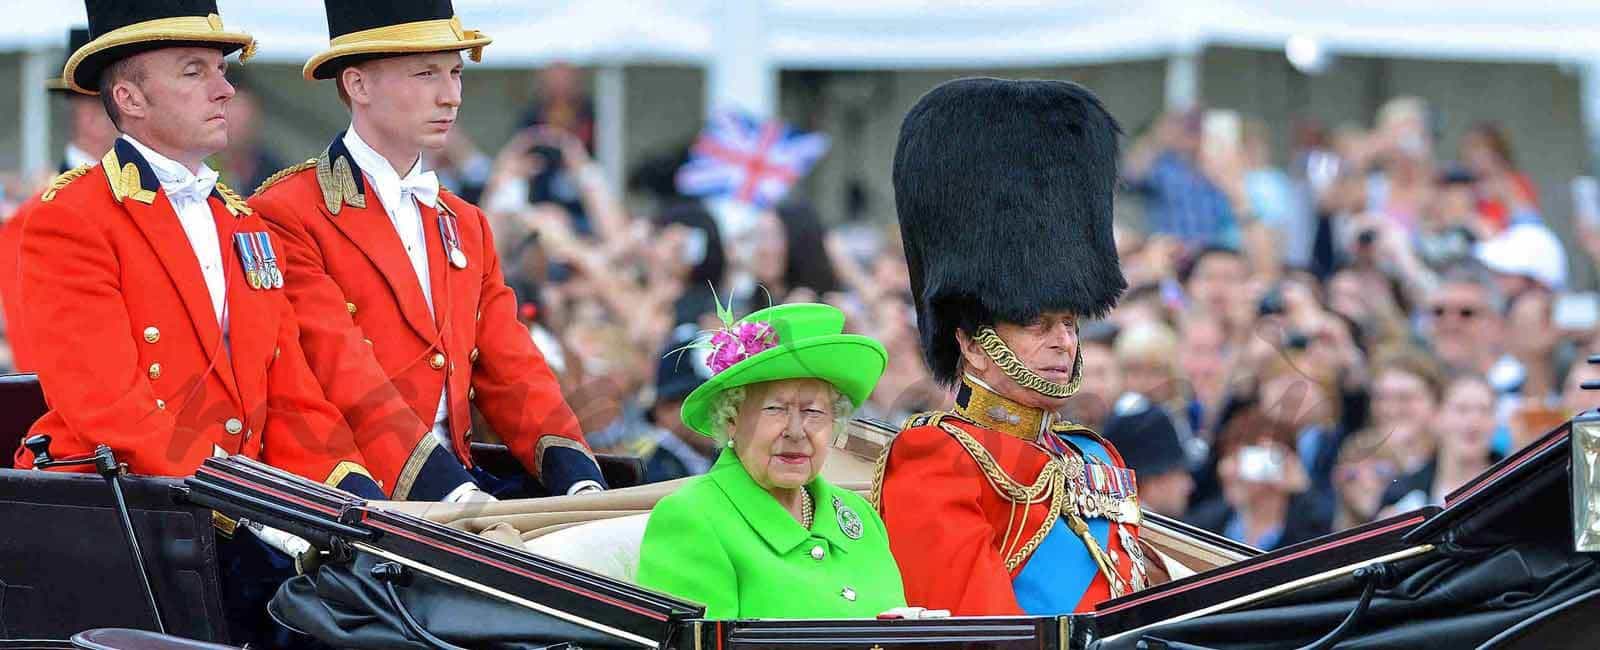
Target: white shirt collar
<point>171,173</point>
<point>77,157</point>
<point>377,168</point>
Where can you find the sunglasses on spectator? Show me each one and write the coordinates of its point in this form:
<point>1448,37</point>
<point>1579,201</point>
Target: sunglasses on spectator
<point>1466,313</point>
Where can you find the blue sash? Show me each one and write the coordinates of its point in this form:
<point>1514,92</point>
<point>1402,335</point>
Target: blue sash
<point>1058,574</point>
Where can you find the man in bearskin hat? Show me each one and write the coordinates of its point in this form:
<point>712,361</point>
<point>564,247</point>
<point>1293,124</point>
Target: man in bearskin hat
<point>1000,506</point>
<point>138,297</point>
<point>405,314</point>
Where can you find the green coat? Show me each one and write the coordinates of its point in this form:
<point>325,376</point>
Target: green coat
<point>724,541</point>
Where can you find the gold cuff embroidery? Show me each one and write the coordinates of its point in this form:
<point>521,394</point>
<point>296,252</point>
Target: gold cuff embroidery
<point>549,441</point>
<point>343,470</point>
<point>413,466</point>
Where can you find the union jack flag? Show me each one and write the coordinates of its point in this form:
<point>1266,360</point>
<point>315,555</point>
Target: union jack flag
<point>756,162</point>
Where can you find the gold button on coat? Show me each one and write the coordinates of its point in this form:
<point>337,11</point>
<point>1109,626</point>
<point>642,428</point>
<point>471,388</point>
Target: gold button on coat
<point>472,393</point>
<point>350,307</point>
<point>233,426</point>
<point>151,335</point>
<point>437,361</point>
<point>473,357</point>
<point>155,371</point>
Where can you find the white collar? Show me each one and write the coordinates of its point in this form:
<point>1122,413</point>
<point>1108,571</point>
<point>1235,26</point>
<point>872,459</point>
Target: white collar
<point>376,167</point>
<point>170,172</point>
<point>77,157</point>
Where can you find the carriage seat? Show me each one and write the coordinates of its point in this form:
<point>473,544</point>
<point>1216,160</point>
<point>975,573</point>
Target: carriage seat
<point>21,404</point>
<point>609,547</point>
<point>125,639</point>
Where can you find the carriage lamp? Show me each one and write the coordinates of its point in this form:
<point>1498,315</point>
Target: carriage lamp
<point>1586,482</point>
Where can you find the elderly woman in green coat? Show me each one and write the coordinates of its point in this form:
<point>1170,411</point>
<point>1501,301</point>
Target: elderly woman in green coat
<point>763,535</point>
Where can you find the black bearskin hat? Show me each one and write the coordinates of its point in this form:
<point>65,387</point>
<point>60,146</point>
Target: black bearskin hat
<point>1004,192</point>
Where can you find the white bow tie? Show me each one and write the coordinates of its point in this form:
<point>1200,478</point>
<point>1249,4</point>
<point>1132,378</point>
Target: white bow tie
<point>423,187</point>
<point>195,187</point>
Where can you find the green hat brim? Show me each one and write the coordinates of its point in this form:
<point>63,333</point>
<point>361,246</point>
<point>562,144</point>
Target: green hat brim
<point>851,363</point>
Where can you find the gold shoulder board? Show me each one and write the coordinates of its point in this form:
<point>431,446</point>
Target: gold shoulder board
<point>284,173</point>
<point>61,180</point>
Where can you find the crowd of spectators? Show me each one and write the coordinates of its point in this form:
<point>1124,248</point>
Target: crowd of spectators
<point>1303,348</point>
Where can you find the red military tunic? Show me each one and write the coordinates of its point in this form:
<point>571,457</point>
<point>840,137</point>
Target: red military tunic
<point>120,326</point>
<point>962,544</point>
<point>10,279</point>
<point>383,359</point>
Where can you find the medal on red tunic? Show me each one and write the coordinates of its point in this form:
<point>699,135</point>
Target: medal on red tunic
<point>248,259</point>
<point>450,234</point>
<point>269,259</point>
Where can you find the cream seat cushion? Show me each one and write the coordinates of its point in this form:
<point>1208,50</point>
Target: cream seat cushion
<point>609,547</point>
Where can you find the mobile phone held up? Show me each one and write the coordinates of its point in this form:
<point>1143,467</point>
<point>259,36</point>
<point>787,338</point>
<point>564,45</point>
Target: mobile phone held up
<point>1586,201</point>
<point>1260,464</point>
<point>1576,312</point>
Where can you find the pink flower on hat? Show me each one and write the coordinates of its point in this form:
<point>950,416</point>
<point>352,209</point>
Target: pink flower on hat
<point>738,342</point>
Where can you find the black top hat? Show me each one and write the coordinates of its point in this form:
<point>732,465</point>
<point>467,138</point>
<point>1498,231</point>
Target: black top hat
<point>120,29</point>
<point>77,37</point>
<point>680,370</point>
<point>361,29</point>
<point>1003,190</point>
<point>1146,436</point>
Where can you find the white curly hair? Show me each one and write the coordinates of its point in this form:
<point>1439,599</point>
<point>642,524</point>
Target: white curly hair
<point>725,410</point>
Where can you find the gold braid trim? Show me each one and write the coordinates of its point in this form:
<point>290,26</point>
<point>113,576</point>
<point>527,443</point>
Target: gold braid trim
<point>283,174</point>
<point>1054,479</point>
<point>231,199</point>
<point>1052,483</point>
<point>1107,567</point>
<point>992,345</point>
<point>1058,491</point>
<point>1001,482</point>
<point>61,180</point>
<point>875,497</point>
<point>924,419</point>
<point>413,467</point>
<point>343,470</point>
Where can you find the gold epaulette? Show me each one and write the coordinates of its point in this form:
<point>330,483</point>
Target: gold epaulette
<point>925,419</point>
<point>61,180</point>
<point>284,173</point>
<point>236,205</point>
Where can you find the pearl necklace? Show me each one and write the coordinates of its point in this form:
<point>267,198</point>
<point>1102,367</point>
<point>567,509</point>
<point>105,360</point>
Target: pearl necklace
<point>805,509</point>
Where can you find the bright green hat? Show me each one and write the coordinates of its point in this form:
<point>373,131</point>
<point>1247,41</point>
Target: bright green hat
<point>806,340</point>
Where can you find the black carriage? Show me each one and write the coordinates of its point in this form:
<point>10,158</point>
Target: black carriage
<point>1505,564</point>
